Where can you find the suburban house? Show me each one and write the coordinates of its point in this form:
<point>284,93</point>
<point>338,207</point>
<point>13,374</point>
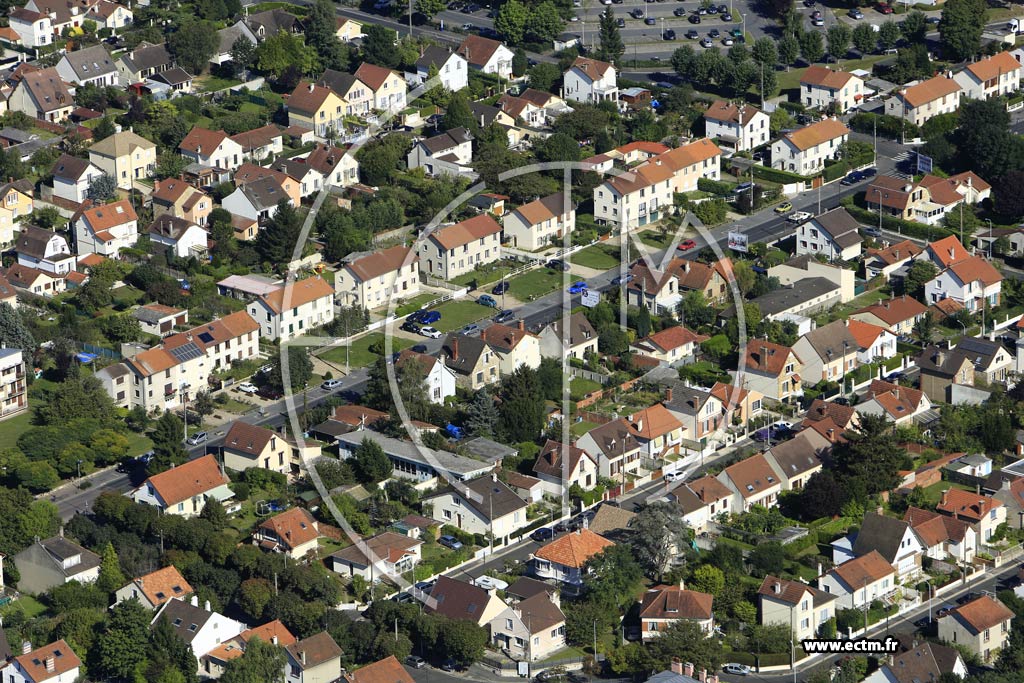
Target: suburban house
<point>540,223</point>
<point>616,446</point>
<point>449,153</point>
<point>183,490</point>
<point>806,267</point>
<point>753,482</point>
<point>922,662</point>
<point>155,588</point>
<point>316,659</point>
<point>672,345</point>
<point>943,537</point>
<point>972,282</point>
<point>486,55</point>
<point>875,342</point>
<point>294,532</point>
<point>894,539</point>
<point>739,128</point>
<point>386,554</point>
<point>514,346</point>
<point>160,320</point>
<point>53,663</point>
<point>886,261</point>
<point>805,150</point>
<point>356,97</point>
<point>481,506</point>
<point>316,108</point>
<point>388,669</point>
<point>471,359</point>
<point>448,66</point>
<point>993,76</point>
<point>896,404</point>
<point>924,100</point>
<point>200,628</point>
<point>662,606</point>
<point>72,177</point>
<point>702,501</point>
<point>439,379</point>
<point>898,314</point>
<point>212,148</point>
<point>258,200</point>
<point>772,370</point>
<point>35,281</point>
<point>464,601</point>
<point>247,445</point>
<point>982,626</point>
<point>828,353</point>
<point>181,200</point>
<point>42,95</point>
<point>52,562</point>
<point>88,66</point>
<point>532,628</point>
<point>15,202</point>
<point>821,88</point>
<point>561,466</point>
<point>33,28</point>
<point>657,431</point>
<point>44,250</point>
<point>941,368</point>
<point>590,80</point>
<point>110,15</point>
<point>106,229</point>
<point>564,559</point>
<point>580,340</point>
<point>797,460</point>
<point>146,60</point>
<point>387,86</point>
<point>634,198</point>
<point>336,167</point>
<point>701,413</point>
<point>457,249</point>
<point>864,579</point>
<point>982,512</point>
<point>294,309</point>
<point>803,608</point>
<point>833,234</point>
<point>260,144</point>
<point>273,632</point>
<point>992,362</point>
<point>126,156</point>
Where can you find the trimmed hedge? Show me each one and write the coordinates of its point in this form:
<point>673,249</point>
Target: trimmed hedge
<point>715,187</point>
<point>891,127</point>
<point>775,175</point>
<point>907,228</point>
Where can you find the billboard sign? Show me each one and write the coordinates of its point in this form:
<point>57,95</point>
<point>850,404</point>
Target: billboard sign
<point>738,242</point>
<point>591,298</point>
<point>924,164</point>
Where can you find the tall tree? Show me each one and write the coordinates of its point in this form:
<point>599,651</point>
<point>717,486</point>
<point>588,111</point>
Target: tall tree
<point>522,415</point>
<point>370,463</point>
<point>921,273</point>
<point>276,241</point>
<point>510,22</point>
<point>193,44</point>
<point>321,34</point>
<point>611,45</point>
<point>167,435</point>
<point>482,414</point>
<point>260,663</point>
<point>765,52</point>
<point>889,34</point>
<point>428,8</point>
<point>811,47</point>
<point>458,113</point>
<point>789,50</point>
<point>839,36</point>
<point>111,577</point>
<point>544,22</point>
<point>300,369</point>
<point>613,576</point>
<point>243,52</point>
<point>865,38</point>
<point>657,534</point>
<point>379,46</point>
<point>960,28</point>
<point>14,333</point>
<point>124,645</point>
<point>102,189</point>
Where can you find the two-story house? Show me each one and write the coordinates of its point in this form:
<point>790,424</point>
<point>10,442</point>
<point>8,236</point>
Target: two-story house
<point>53,663</point>
<point>44,250</point>
<point>181,237</point>
<point>336,166</point>
<point>740,128</point>
<point>42,95</point>
<point>486,55</point>
<point>636,197</point>
<point>860,581</point>
<point>899,314</point>
<point>316,108</point>
<point>260,144</point>
<point>212,148</point>
<point>941,368</point>
<point>821,88</point>
<point>797,460</point>
<point>590,80</point>
<point>805,150</point>
<point>672,345</point>
<point>183,490</point>
<point>471,359</point>
<point>875,342</point>
<point>945,538</point>
<point>155,588</point>
<point>388,86</point>
<point>616,447</point>
<point>834,234</point>
<point>972,282</point>
<point>247,445</point>
<point>883,262</point>
<point>982,626</point>
<point>463,601</point>
<point>316,659</point>
<point>894,539</point>
<point>540,223</point>
<point>577,341</point>
<point>294,532</point>
<point>531,629</point>
<point>146,60</point>
<point>438,378</point>
<point>483,506</point>
<point>379,278</point>
<point>772,370</point>
<point>13,370</point>
<point>89,66</point>
<point>106,229</point>
<point>447,65</point>
<point>564,559</point>
<point>983,513</point>
<point>15,202</point>
<point>33,28</point>
<point>701,413</point>
<point>753,482</point>
<point>385,554</point>
<point>199,627</point>
<point>561,466</point>
<point>457,249</point>
<point>919,102</point>
<point>126,156</point>
<point>702,501</point>
<point>52,562</point>
<point>514,346</point>
<point>662,606</point>
<point>294,309</point>
<point>181,200</point>
<point>993,76</point>
<point>803,608</point>
<point>449,153</point>
<point>72,177</point>
<point>828,353</point>
<point>993,363</point>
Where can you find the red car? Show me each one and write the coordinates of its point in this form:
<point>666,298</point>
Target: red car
<point>686,245</point>
<point>884,9</point>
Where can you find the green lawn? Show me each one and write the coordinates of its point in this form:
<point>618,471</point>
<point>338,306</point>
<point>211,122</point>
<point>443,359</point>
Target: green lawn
<point>12,428</point>
<point>844,310</point>
<point>360,354</point>
<point>414,303</point>
<point>457,314</point>
<point>211,83</point>
<point>485,274</point>
<point>578,429</point>
<point>26,604</point>
<point>529,286</point>
<point>789,80</point>
<point>655,239</point>
<point>579,387</point>
<point>934,492</point>
<point>598,256</point>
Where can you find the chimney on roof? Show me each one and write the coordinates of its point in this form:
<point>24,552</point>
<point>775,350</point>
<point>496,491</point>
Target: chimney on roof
<point>311,87</point>
<point>703,676</point>
<point>273,640</point>
<point>26,647</point>
<point>50,664</point>
<point>522,325</point>
<point>455,348</point>
<point>945,494</point>
<point>688,669</point>
<point>206,606</point>
<point>668,394</point>
<point>677,666</point>
<point>195,601</point>
<point>830,433</point>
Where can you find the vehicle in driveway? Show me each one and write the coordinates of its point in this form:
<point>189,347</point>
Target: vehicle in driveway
<point>884,8</point>
<point>500,288</point>
<point>487,300</point>
<point>410,326</point>
<point>429,317</point>
<point>490,583</point>
<point>895,376</point>
<point>818,20</point>
<point>248,388</point>
<point>557,264</point>
<point>430,332</point>
<point>450,542</point>
<point>686,245</point>
<point>331,384</point>
<point>852,178</point>
<point>270,393</point>
<point>470,329</point>
<point>504,316</point>
<point>855,13</point>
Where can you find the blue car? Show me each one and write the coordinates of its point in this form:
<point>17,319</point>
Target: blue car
<point>450,542</point>
<point>578,287</point>
<point>429,317</point>
<point>487,300</point>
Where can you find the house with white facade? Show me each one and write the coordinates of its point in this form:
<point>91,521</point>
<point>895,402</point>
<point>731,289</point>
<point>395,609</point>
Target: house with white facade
<point>919,102</point>
<point>803,608</point>
<point>662,606</point>
<point>72,177</point>
<point>34,28</point>
<point>513,345</point>
<point>89,66</point>
<point>590,80</point>
<point>438,377</point>
<point>972,282</point>
<point>385,554</point>
<point>740,128</point>
<point>155,588</point>
<point>805,150</point>
<point>106,229</point>
<point>540,223</point>
<point>876,343</point>
<point>834,234</point>
<point>449,153</point>
<point>486,55</point>
<point>531,629</point>
<point>634,198</point>
<point>453,250</point>
<point>294,532</point>
<point>560,466</point>
<point>483,506</point>
<point>183,490</point>
<point>860,581</point>
<point>448,65</point>
<point>821,88</point>
<point>993,76</point>
<point>44,250</point>
<point>753,482</point>
<point>894,539</point>
<point>200,628</point>
<point>564,559</point>
<point>294,309</point>
<point>388,86</point>
<point>47,563</point>
<point>53,663</point>
<point>378,278</point>
<point>181,237</point>
<point>212,148</point>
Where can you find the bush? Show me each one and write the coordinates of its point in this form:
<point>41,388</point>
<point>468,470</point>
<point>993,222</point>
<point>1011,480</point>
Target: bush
<point>716,187</point>
<point>892,127</point>
<point>467,539</point>
<point>776,175</point>
<point>907,228</point>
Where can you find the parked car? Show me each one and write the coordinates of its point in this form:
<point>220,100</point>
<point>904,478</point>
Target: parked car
<point>471,328</point>
<point>557,264</point>
<point>650,21</point>
<point>197,438</point>
<point>855,13</point>
<point>884,8</point>
<point>637,13</point>
<point>784,207</point>
<point>248,388</point>
<point>727,41</point>
<point>504,316</point>
<point>620,22</point>
<point>808,3</point>
<point>715,33</point>
<point>672,476</point>
<point>872,232</point>
<point>500,288</point>
<point>852,178</point>
<point>726,16</point>
<point>429,317</point>
<point>270,393</point>
<point>331,384</point>
<point>799,217</point>
<point>817,21</point>
<point>622,279</point>
<point>679,12</point>
<point>542,535</point>
<point>450,542</point>
<point>669,34</point>
<point>869,172</point>
<point>895,376</point>
<point>418,348</point>
<point>561,526</point>
<point>487,300</point>
<point>415,662</point>
<point>686,245</point>
<point>692,34</point>
<point>490,583</point>
<point>578,287</point>
<point>410,326</point>
<point>431,332</point>
<point>736,669</point>
<point>694,19</point>
<point>712,9</point>
<point>944,611</point>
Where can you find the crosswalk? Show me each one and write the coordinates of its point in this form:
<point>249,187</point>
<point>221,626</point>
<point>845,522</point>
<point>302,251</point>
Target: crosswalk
<point>897,161</point>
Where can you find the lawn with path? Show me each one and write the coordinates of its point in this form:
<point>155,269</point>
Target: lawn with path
<point>599,257</point>
<point>360,353</point>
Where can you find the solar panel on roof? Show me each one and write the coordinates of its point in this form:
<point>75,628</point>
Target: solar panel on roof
<point>206,337</point>
<point>186,352</point>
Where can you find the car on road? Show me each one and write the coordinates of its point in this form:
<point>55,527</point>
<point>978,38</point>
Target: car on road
<point>431,332</point>
<point>672,476</point>
<point>415,662</point>
<point>686,245</point>
<point>692,34</point>
<point>248,388</point>
<point>679,11</point>
<point>933,20</point>
<point>197,438</point>
<point>884,8</point>
<point>490,583</point>
<point>669,34</point>
<point>869,172</point>
<point>470,329</point>
<point>736,669</point>
<point>418,348</point>
<point>331,384</point>
<point>637,13</point>
<point>557,264</point>
<point>872,232</point>
<point>694,19</point>
<point>706,42</point>
<point>799,216</point>
<point>504,316</point>
<point>620,22</point>
<point>852,178</point>
<point>487,300</point>
<point>578,287</point>
<point>622,279</point>
<point>944,611</point>
<point>855,13</point>
<point>410,326</point>
<point>894,377</point>
<point>650,21</point>
<point>714,33</point>
<point>923,622</point>
<point>468,27</point>
<point>784,207</point>
<point>968,597</point>
<point>542,535</point>
<point>450,542</point>
<point>561,526</point>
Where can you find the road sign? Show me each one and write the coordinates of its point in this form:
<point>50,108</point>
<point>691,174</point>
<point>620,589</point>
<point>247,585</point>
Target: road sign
<point>591,298</point>
<point>738,242</point>
<point>924,164</point>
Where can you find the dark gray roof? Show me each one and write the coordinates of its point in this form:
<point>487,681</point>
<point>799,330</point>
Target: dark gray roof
<point>686,400</point>
<point>798,455</point>
<point>923,663</point>
<point>881,533</point>
<point>489,496</point>
<point>16,135</point>
<point>91,62</point>
<point>525,587</point>
<point>458,599</point>
<point>841,225</point>
<point>186,619</point>
<point>484,113</point>
<point>580,329</point>
<point>469,352</point>
<point>69,167</point>
<point>170,226</point>
<point>446,140</point>
<point>147,56</point>
<point>275,20</point>
<point>264,193</point>
<point>940,361</point>
<point>173,76</point>
<point>488,450</point>
<point>229,35</point>
<point>61,549</point>
<point>32,241</point>
<point>827,341</point>
<point>457,465</point>
<point>338,81</point>
<point>785,298</point>
<point>980,351</point>
<point>433,56</point>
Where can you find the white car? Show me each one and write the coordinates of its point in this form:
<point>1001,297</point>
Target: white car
<point>672,476</point>
<point>736,669</point>
<point>799,217</point>
<point>430,332</point>
<point>248,388</point>
<point>489,582</point>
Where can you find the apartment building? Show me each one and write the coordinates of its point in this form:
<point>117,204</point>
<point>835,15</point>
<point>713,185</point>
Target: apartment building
<point>13,386</point>
<point>457,249</point>
<point>378,278</point>
<point>294,309</point>
<point>804,151</point>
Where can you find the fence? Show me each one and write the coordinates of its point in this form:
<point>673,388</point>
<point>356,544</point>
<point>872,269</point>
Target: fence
<point>394,234</point>
<point>598,377</point>
<point>102,352</point>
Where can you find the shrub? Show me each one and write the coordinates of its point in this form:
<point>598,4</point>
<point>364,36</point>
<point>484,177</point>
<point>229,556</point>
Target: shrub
<point>716,187</point>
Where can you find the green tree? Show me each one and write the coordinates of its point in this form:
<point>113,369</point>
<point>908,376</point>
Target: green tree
<point>657,534</point>
<point>370,463</point>
<point>960,29</point>
<point>428,8</point>
<point>812,48</point>
<point>889,34</point>
<point>260,663</point>
<point>118,328</point>
<point>124,645</point>
<point>102,189</point>
<point>684,640</point>
<point>214,513</point>
<point>243,52</point>
<point>611,45</point>
<point>167,435</point>
<point>111,577</point>
<point>462,640</point>
<point>76,398</point>
<point>104,129</point>
<point>544,22</point>
<point>839,36</point>
<point>276,241</point>
<point>613,576</point>
<point>253,597</point>
<point>379,45</point>
<point>510,22</point>
<point>865,38</point>
<point>458,113</point>
<point>559,147</point>
<point>707,579</point>
<point>285,50</point>
<point>321,34</point>
<point>481,414</point>
<point>914,27</point>
<point>789,50</point>
<point>920,274</point>
<point>14,333</point>
<point>171,659</point>
<point>764,52</point>
<point>767,558</point>
<point>300,369</point>
<point>520,62</point>
<point>193,44</point>
<point>924,328</point>
<point>37,476</point>
<point>522,415</point>
<point>683,59</point>
<point>544,76</point>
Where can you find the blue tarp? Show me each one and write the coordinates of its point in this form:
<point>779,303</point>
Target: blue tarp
<point>86,357</point>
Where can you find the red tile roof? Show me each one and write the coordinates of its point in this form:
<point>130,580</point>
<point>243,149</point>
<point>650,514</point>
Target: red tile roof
<point>194,478</point>
<point>574,549</point>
